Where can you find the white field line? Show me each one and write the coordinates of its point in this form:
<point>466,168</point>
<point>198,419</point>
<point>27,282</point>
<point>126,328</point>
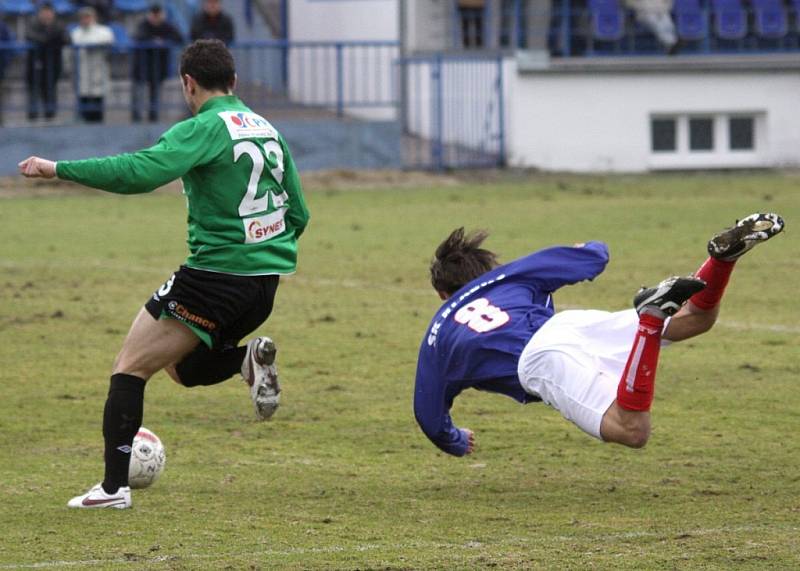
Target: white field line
<point>354,549</point>
<point>359,284</point>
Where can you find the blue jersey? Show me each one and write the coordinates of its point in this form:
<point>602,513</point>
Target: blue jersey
<point>477,336</point>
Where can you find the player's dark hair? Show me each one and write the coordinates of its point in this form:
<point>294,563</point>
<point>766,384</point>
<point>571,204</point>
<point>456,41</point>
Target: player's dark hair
<point>459,260</point>
<point>210,64</point>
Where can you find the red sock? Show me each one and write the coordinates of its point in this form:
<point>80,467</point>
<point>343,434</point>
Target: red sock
<point>638,382</point>
<point>716,274</point>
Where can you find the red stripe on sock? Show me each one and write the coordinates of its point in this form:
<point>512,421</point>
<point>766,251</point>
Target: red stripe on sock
<point>716,274</point>
<point>637,385</point>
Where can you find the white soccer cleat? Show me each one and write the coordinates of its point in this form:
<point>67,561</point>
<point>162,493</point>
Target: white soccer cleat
<point>732,243</point>
<point>98,498</point>
<point>261,374</point>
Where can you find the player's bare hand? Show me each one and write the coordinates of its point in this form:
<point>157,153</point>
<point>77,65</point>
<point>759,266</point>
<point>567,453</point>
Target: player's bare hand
<point>470,440</point>
<point>36,167</point>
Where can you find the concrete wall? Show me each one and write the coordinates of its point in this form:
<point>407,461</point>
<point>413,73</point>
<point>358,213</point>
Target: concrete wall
<point>600,121</point>
<point>315,145</point>
<point>428,25</point>
<point>343,20</point>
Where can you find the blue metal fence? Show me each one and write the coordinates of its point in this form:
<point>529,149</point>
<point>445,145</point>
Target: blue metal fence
<point>329,77</point>
<point>454,111</point>
<point>451,107</point>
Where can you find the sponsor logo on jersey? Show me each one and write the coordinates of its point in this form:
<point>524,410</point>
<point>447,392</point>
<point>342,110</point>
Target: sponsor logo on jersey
<point>264,227</point>
<point>247,125</point>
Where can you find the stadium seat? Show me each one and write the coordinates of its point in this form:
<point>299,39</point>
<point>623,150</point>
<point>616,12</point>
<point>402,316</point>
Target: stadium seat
<point>771,20</point>
<point>730,19</point>
<point>131,5</point>
<point>122,40</point>
<point>63,7</point>
<point>690,21</point>
<point>608,20</point>
<point>17,7</point>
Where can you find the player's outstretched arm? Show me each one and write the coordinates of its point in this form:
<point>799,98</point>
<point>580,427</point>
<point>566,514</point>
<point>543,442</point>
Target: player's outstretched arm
<point>433,416</point>
<point>37,167</point>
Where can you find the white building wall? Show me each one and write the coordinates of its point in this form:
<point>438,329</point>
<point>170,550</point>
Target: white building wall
<point>361,75</point>
<point>601,121</point>
<point>343,20</point>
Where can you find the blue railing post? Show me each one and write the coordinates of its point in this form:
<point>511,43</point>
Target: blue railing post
<point>248,12</point>
<point>501,152</point>
<point>437,115</point>
<point>339,79</point>
<point>518,28</point>
<point>76,65</point>
<point>566,33</point>
<point>284,36</point>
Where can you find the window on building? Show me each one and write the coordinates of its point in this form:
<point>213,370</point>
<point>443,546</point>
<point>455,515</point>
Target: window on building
<point>663,134</point>
<point>471,22</point>
<point>701,134</point>
<point>741,133</point>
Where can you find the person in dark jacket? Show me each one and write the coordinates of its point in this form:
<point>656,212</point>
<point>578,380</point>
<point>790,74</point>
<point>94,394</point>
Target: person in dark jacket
<point>6,53</point>
<point>151,63</point>
<point>212,23</point>
<point>48,38</point>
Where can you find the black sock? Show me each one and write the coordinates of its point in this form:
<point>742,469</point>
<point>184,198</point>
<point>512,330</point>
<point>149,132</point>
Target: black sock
<point>122,418</point>
<point>205,367</point>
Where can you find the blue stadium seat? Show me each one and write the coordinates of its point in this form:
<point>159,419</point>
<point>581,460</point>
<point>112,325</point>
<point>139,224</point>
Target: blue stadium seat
<point>63,7</point>
<point>771,20</point>
<point>131,5</point>
<point>690,21</point>
<point>17,7</point>
<point>608,20</point>
<point>730,19</point>
<point>122,40</point>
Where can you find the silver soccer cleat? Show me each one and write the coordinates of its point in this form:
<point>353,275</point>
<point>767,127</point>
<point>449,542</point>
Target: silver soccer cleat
<point>261,374</point>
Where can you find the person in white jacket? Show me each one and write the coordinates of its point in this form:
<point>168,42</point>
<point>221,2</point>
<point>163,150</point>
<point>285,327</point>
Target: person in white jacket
<point>94,71</point>
<point>655,15</point>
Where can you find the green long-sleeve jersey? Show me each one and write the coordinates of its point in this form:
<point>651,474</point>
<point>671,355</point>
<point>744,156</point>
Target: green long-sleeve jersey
<point>245,201</point>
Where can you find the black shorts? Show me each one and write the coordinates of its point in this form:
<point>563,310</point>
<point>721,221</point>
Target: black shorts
<point>220,308</point>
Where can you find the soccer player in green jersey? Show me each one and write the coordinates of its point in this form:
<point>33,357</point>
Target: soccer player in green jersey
<point>246,212</point>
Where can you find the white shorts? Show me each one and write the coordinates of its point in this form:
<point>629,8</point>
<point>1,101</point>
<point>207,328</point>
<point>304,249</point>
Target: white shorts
<point>575,361</point>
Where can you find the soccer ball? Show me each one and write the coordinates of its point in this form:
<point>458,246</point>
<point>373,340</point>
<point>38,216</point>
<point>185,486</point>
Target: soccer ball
<point>147,459</point>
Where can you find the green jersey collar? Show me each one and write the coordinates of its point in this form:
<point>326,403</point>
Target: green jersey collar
<point>220,101</point>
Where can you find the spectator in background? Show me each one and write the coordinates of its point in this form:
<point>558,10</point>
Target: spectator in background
<point>151,63</point>
<point>48,38</point>
<point>94,72</point>
<point>102,8</point>
<point>211,23</point>
<point>5,56</point>
<point>655,15</point>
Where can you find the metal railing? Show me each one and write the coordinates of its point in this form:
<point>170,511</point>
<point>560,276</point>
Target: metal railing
<point>335,78</point>
<point>454,113</point>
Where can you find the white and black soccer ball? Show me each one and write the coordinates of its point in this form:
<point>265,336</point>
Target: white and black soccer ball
<point>147,459</point>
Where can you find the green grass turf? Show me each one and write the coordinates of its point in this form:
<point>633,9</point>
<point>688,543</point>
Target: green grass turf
<point>342,478</point>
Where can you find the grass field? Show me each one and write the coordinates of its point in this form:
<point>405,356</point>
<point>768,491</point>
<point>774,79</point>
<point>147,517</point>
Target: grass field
<point>342,478</point>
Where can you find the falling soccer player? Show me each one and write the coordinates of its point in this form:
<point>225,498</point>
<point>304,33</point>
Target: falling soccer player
<point>498,331</point>
<point>246,213</point>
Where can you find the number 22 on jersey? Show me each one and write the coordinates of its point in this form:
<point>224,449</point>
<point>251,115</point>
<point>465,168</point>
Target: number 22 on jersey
<point>481,316</point>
